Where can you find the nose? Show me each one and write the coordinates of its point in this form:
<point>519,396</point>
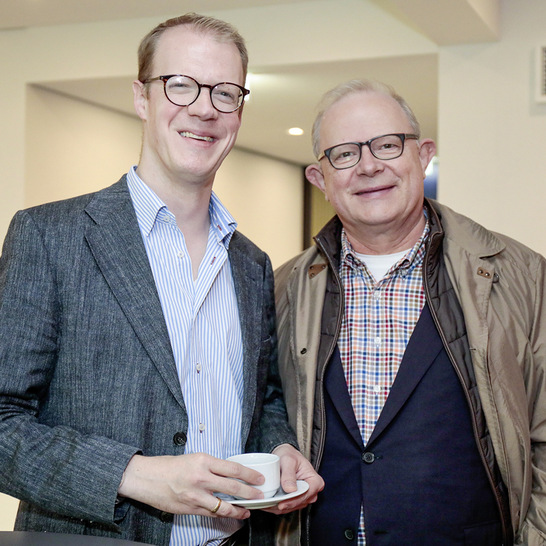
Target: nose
<point>369,164</point>
<point>202,106</point>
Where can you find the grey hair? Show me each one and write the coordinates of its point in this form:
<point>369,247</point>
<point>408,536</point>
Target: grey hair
<point>358,86</point>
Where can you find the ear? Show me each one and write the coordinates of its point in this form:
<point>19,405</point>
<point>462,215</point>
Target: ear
<point>313,173</point>
<point>427,150</point>
<point>140,99</point>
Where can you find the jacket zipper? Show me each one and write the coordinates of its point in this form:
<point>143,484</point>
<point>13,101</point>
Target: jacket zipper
<point>469,403</point>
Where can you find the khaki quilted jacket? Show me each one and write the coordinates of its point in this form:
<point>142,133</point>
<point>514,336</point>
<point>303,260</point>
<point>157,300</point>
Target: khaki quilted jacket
<point>501,286</point>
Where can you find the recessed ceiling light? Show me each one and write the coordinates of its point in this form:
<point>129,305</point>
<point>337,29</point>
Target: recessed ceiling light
<point>295,131</point>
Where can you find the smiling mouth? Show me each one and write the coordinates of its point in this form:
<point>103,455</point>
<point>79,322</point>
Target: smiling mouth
<point>373,190</point>
<point>187,134</point>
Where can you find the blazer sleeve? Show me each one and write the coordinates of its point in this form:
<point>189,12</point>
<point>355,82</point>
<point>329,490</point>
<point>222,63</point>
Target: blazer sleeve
<point>58,467</point>
<point>274,427</point>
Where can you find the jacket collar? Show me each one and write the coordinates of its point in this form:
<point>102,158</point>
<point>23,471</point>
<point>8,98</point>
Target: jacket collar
<point>444,223</point>
<point>328,239</point>
<point>462,231</point>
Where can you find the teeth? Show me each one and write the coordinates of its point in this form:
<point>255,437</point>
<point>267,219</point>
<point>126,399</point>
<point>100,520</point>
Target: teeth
<point>198,137</point>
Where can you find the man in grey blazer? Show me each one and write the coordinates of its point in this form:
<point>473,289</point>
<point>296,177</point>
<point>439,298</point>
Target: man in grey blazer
<point>137,329</point>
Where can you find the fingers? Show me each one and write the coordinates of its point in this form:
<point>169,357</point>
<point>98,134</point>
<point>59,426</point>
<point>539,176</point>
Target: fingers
<point>215,509</point>
<point>316,484</point>
<point>294,466</point>
<point>237,471</point>
<point>289,467</point>
<point>236,480</point>
<point>223,509</point>
<point>186,484</point>
<point>289,477</point>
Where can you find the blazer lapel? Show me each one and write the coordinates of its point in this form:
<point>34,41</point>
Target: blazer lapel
<point>116,244</point>
<point>335,384</point>
<point>248,281</point>
<point>420,353</point>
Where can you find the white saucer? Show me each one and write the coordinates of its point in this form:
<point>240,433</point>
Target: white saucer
<point>256,504</point>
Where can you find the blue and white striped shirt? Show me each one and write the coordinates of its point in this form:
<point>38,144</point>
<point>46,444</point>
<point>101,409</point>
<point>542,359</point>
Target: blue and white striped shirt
<point>203,322</point>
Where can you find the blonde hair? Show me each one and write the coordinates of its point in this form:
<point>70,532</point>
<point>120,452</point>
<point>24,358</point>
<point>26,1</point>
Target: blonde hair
<point>222,31</point>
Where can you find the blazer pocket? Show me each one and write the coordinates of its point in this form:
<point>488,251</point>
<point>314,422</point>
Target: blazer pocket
<point>485,534</point>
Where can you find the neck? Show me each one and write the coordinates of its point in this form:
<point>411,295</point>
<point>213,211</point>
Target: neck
<point>380,241</point>
<point>189,203</point>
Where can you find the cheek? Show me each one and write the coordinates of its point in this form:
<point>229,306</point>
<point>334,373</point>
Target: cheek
<point>341,184</point>
<point>415,185</point>
<point>234,125</point>
<point>419,174</point>
<point>335,191</point>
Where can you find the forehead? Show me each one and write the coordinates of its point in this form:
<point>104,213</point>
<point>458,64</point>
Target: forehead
<point>200,54</point>
<point>362,115</point>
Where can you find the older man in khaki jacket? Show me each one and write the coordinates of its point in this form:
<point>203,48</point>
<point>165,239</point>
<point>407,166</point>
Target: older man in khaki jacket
<point>412,349</point>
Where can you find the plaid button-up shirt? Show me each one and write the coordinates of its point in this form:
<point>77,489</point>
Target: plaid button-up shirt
<point>380,316</point>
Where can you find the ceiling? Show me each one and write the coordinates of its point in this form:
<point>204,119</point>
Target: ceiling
<point>282,95</point>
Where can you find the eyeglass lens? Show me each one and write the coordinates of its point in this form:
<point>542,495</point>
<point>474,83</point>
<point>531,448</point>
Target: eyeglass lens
<point>182,91</point>
<point>383,147</point>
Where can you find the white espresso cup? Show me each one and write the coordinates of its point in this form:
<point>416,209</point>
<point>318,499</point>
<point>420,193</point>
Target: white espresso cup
<point>267,464</point>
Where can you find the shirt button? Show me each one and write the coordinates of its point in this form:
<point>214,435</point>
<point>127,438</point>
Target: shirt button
<point>368,457</point>
<point>179,439</point>
<point>349,534</point>
<point>198,367</point>
<point>180,254</point>
<point>377,341</point>
<point>201,427</point>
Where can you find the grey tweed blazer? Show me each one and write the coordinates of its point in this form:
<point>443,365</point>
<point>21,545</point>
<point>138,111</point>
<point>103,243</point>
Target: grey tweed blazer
<point>87,375</point>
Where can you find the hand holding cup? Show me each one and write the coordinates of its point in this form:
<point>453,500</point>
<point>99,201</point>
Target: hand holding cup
<point>268,465</point>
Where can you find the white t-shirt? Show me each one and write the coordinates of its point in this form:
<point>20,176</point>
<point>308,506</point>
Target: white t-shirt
<point>378,265</point>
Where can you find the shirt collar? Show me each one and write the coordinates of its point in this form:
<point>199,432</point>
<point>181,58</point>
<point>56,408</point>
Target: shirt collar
<point>221,220</point>
<point>148,207</point>
<point>147,204</point>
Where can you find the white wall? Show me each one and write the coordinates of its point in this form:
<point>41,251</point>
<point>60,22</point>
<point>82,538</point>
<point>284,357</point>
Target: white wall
<point>74,148</point>
<point>492,134</point>
<point>266,198</point>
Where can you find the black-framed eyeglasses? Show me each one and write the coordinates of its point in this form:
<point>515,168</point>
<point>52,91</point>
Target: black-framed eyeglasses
<point>348,154</point>
<point>183,90</point>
